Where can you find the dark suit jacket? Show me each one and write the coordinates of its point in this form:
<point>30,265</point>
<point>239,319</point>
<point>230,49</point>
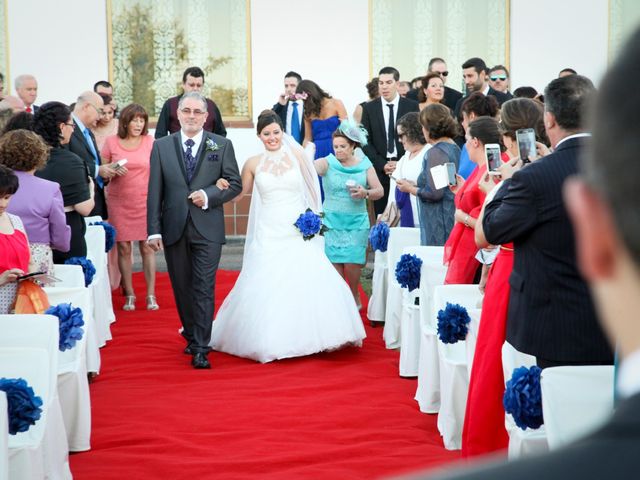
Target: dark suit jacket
<point>281,110</point>
<point>609,453</point>
<point>168,207</point>
<point>500,97</point>
<point>376,149</point>
<point>551,314</point>
<point>451,96</point>
<point>78,145</point>
<point>168,119</point>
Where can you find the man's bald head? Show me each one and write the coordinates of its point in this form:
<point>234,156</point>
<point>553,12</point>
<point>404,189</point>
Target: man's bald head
<point>89,108</point>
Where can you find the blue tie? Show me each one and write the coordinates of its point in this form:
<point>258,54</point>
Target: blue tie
<point>189,159</point>
<point>295,122</point>
<point>87,137</point>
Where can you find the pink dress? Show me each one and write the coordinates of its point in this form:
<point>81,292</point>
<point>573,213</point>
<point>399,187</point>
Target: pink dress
<point>127,195</point>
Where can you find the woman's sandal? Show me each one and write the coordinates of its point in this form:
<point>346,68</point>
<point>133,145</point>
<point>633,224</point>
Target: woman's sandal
<point>152,304</point>
<point>129,303</point>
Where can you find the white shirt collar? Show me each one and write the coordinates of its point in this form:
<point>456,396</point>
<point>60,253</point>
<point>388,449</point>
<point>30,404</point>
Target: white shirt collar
<point>393,102</point>
<point>79,122</point>
<point>197,139</point>
<point>485,92</point>
<point>629,375</point>
<point>575,135</point>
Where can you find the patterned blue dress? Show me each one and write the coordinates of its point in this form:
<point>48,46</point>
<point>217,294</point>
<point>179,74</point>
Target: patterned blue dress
<point>347,218</point>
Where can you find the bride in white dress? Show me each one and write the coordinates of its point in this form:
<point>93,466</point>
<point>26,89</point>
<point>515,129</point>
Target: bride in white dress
<point>289,301</point>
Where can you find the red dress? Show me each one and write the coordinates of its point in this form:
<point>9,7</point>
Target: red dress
<point>14,253</point>
<point>460,249</point>
<point>484,429</point>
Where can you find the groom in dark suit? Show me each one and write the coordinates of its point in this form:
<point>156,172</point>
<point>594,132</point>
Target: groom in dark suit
<point>604,207</point>
<point>185,216</point>
<point>551,314</point>
<point>379,118</point>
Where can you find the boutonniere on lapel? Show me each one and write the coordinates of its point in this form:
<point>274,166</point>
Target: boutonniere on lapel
<point>211,146</point>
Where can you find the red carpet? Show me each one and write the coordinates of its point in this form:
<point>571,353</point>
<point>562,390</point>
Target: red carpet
<point>340,415</point>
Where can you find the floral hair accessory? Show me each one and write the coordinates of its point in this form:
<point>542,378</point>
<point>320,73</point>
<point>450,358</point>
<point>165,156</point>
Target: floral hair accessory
<point>353,131</point>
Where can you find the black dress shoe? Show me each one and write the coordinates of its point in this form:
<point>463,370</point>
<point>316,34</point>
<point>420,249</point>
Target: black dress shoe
<point>187,350</point>
<point>200,360</point>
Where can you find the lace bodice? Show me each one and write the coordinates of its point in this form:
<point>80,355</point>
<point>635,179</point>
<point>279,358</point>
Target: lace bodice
<point>278,180</point>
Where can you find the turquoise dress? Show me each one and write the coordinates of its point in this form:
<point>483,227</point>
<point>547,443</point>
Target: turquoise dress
<point>346,218</point>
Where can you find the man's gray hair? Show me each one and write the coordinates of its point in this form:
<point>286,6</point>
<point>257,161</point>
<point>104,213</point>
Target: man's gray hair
<point>196,96</point>
<point>20,79</point>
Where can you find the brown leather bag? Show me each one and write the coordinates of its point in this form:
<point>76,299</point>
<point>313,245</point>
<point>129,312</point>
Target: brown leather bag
<point>391,215</point>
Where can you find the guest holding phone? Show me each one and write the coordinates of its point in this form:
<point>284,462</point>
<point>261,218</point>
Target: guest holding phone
<point>130,151</point>
<point>408,168</point>
<point>350,180</point>
<point>14,246</point>
<point>435,206</point>
<point>460,249</point>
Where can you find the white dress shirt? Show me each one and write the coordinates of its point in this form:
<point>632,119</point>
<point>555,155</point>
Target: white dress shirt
<point>385,114</point>
<point>629,375</point>
<point>290,114</point>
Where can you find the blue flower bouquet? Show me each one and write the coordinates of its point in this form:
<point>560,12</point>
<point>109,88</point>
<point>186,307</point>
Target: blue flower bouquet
<point>71,322</point>
<point>24,407</point>
<point>523,397</point>
<point>453,323</point>
<point>310,224</point>
<point>379,236</point>
<point>408,271</point>
<point>87,268</point>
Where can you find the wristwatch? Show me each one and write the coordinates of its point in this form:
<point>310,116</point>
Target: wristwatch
<point>366,195</point>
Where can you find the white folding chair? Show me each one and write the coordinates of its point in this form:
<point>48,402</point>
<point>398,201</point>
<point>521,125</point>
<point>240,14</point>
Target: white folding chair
<point>40,332</point>
<point>410,317</point>
<point>73,386</point>
<point>101,287</point>
<point>4,438</point>
<point>454,377</point>
<point>428,391</point>
<point>378,299</point>
<point>521,442</point>
<point>399,238</point>
<point>575,401</point>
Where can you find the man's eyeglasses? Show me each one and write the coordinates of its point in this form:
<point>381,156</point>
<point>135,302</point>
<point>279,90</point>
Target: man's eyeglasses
<point>99,110</point>
<point>495,78</point>
<point>188,111</point>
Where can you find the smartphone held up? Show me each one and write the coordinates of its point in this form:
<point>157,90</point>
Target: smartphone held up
<point>526,138</point>
<point>493,158</point>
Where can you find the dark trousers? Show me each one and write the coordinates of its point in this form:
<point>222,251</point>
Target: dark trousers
<point>192,263</point>
<point>100,207</point>
<point>380,204</point>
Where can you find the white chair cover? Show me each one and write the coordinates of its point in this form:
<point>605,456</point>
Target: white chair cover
<point>77,294</point>
<point>431,257</point>
<point>399,238</point>
<point>378,299</point>
<point>428,391</point>
<point>454,378</point>
<point>40,452</point>
<point>575,401</point>
<point>527,442</point>
<point>101,287</point>
<point>73,386</point>
<point>4,438</point>
<point>71,275</point>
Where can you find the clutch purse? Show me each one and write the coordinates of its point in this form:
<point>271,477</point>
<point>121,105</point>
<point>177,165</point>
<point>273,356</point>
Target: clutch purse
<point>390,215</point>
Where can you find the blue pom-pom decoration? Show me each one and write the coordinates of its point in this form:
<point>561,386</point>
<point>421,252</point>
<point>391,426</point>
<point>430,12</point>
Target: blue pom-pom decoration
<point>408,271</point>
<point>379,236</point>
<point>453,323</point>
<point>71,322</point>
<point>24,407</point>
<point>87,268</point>
<point>310,224</point>
<point>109,235</point>
<point>523,397</point>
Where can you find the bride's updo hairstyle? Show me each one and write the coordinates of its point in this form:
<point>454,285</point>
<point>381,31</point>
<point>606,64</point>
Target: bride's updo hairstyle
<point>266,118</point>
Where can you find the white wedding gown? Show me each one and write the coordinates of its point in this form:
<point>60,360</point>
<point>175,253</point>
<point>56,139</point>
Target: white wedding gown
<point>289,300</point>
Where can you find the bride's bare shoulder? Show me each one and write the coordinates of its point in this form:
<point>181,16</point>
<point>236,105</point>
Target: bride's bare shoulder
<point>252,162</point>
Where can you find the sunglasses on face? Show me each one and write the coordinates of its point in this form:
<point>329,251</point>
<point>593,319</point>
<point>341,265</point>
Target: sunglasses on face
<point>495,78</point>
<point>444,74</point>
